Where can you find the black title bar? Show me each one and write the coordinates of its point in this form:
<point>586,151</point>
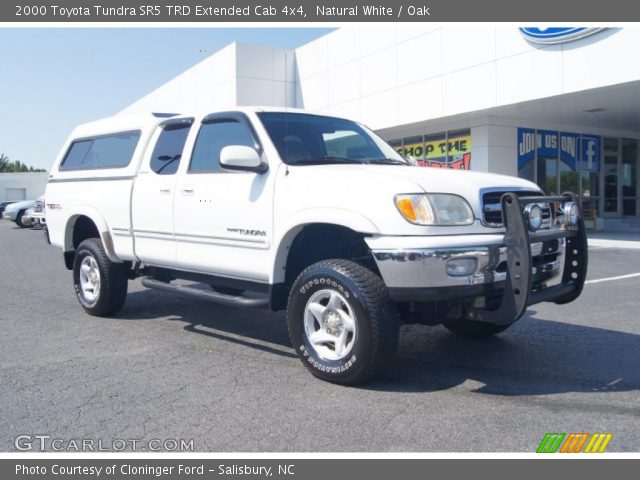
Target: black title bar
<point>319,11</point>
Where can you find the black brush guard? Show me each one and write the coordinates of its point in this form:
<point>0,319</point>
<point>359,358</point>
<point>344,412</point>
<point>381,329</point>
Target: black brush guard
<point>518,293</point>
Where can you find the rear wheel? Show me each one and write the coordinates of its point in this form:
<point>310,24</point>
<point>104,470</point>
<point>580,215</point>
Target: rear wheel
<point>100,284</point>
<point>473,328</point>
<point>342,322</point>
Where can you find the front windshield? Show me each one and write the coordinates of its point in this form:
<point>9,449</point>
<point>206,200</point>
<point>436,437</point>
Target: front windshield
<point>303,139</point>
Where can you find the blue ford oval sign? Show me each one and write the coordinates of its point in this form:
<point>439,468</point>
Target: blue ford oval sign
<point>555,35</point>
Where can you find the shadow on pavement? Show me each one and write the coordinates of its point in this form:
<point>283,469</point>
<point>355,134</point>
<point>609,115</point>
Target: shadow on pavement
<point>535,356</point>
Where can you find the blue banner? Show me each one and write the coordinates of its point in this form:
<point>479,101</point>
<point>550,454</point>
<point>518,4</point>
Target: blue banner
<point>590,153</point>
<point>547,143</point>
<point>569,149</point>
<point>574,150</point>
<point>526,146</point>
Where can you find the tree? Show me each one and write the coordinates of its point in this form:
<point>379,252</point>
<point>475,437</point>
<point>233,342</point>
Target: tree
<point>7,166</point>
<point>4,162</point>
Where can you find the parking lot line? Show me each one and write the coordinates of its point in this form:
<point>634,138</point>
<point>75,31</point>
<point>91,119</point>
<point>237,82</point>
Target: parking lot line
<point>610,279</point>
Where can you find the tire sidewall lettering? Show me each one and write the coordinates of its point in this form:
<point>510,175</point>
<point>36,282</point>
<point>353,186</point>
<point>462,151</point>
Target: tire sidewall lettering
<point>308,354</point>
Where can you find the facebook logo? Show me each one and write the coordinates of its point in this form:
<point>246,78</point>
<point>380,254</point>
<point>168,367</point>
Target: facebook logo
<point>590,158</point>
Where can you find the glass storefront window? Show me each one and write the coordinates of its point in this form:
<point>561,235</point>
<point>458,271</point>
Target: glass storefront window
<point>459,144</point>
<point>435,148</point>
<point>629,177</point>
<point>548,175</point>
<point>569,178</point>
<point>528,170</point>
<point>611,179</point>
<point>611,145</point>
<point>414,147</point>
<point>396,144</point>
<point>590,185</point>
<point>450,149</point>
<point>590,205</point>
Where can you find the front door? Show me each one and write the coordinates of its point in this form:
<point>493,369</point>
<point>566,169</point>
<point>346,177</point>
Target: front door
<point>223,219</point>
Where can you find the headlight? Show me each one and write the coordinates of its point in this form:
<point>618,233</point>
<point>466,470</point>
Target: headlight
<point>434,209</point>
<point>533,214</point>
<point>570,213</point>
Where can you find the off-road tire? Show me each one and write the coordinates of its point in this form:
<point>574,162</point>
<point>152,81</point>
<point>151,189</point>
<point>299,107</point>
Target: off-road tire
<point>113,280</point>
<point>376,320</point>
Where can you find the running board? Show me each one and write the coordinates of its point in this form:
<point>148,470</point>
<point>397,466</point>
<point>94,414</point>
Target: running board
<point>211,296</point>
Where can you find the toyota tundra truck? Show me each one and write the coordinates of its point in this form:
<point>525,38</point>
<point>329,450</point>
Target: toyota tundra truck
<point>284,209</point>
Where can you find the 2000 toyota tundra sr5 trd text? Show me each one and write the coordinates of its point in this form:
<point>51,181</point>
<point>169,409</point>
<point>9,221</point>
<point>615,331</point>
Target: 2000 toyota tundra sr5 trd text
<point>313,214</point>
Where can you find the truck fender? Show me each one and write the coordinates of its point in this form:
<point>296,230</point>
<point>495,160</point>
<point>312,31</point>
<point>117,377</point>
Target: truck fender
<point>332,216</point>
<point>100,224</point>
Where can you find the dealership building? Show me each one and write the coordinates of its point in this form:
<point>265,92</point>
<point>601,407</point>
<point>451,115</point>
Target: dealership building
<point>560,107</point>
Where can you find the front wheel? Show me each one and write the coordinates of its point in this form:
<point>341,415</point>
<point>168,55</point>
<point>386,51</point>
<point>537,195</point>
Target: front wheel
<point>100,284</point>
<point>342,322</point>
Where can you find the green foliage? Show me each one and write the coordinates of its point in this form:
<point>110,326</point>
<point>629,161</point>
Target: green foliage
<point>7,166</point>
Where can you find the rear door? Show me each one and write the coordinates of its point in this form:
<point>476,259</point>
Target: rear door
<point>153,194</point>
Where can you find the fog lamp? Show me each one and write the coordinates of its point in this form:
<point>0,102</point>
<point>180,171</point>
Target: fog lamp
<point>570,213</point>
<point>461,267</point>
<point>533,214</point>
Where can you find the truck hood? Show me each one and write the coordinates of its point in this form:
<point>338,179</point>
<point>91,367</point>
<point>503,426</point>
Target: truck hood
<point>370,190</point>
<point>446,180</point>
<point>465,183</point>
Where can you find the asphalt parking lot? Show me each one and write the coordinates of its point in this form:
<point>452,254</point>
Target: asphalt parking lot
<point>173,368</point>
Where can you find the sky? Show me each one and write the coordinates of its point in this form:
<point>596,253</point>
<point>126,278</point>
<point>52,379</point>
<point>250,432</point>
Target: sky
<point>54,79</point>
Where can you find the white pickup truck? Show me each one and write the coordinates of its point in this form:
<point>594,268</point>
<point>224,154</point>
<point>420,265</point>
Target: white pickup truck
<point>313,214</point>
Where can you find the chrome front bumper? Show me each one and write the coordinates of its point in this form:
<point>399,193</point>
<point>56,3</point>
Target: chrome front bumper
<point>426,267</point>
<point>518,264</point>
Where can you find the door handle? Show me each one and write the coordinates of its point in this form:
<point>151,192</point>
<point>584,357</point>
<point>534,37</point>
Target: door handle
<point>187,190</point>
<point>165,191</point>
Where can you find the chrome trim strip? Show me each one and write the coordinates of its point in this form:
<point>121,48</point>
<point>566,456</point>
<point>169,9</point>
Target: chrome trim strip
<point>91,179</point>
<point>152,234</point>
<point>222,241</point>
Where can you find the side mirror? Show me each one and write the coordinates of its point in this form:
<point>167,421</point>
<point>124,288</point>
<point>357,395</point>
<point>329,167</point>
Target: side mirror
<point>241,157</point>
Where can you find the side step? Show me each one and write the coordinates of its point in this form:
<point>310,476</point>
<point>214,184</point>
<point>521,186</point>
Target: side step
<point>211,296</point>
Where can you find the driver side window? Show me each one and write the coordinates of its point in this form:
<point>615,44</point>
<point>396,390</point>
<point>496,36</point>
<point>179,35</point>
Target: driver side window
<point>212,138</point>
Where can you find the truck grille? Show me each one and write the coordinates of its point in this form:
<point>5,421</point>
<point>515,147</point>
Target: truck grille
<point>492,210</point>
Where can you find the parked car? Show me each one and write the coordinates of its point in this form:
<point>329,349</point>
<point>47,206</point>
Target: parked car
<point>309,213</point>
<point>4,205</point>
<point>34,217</point>
<point>16,211</point>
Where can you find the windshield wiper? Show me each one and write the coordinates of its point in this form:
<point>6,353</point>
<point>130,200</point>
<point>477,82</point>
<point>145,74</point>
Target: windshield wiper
<point>388,161</point>
<point>327,160</point>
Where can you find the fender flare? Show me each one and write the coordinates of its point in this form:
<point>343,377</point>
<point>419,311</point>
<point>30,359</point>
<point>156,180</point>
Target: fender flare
<point>302,218</point>
<point>100,223</point>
